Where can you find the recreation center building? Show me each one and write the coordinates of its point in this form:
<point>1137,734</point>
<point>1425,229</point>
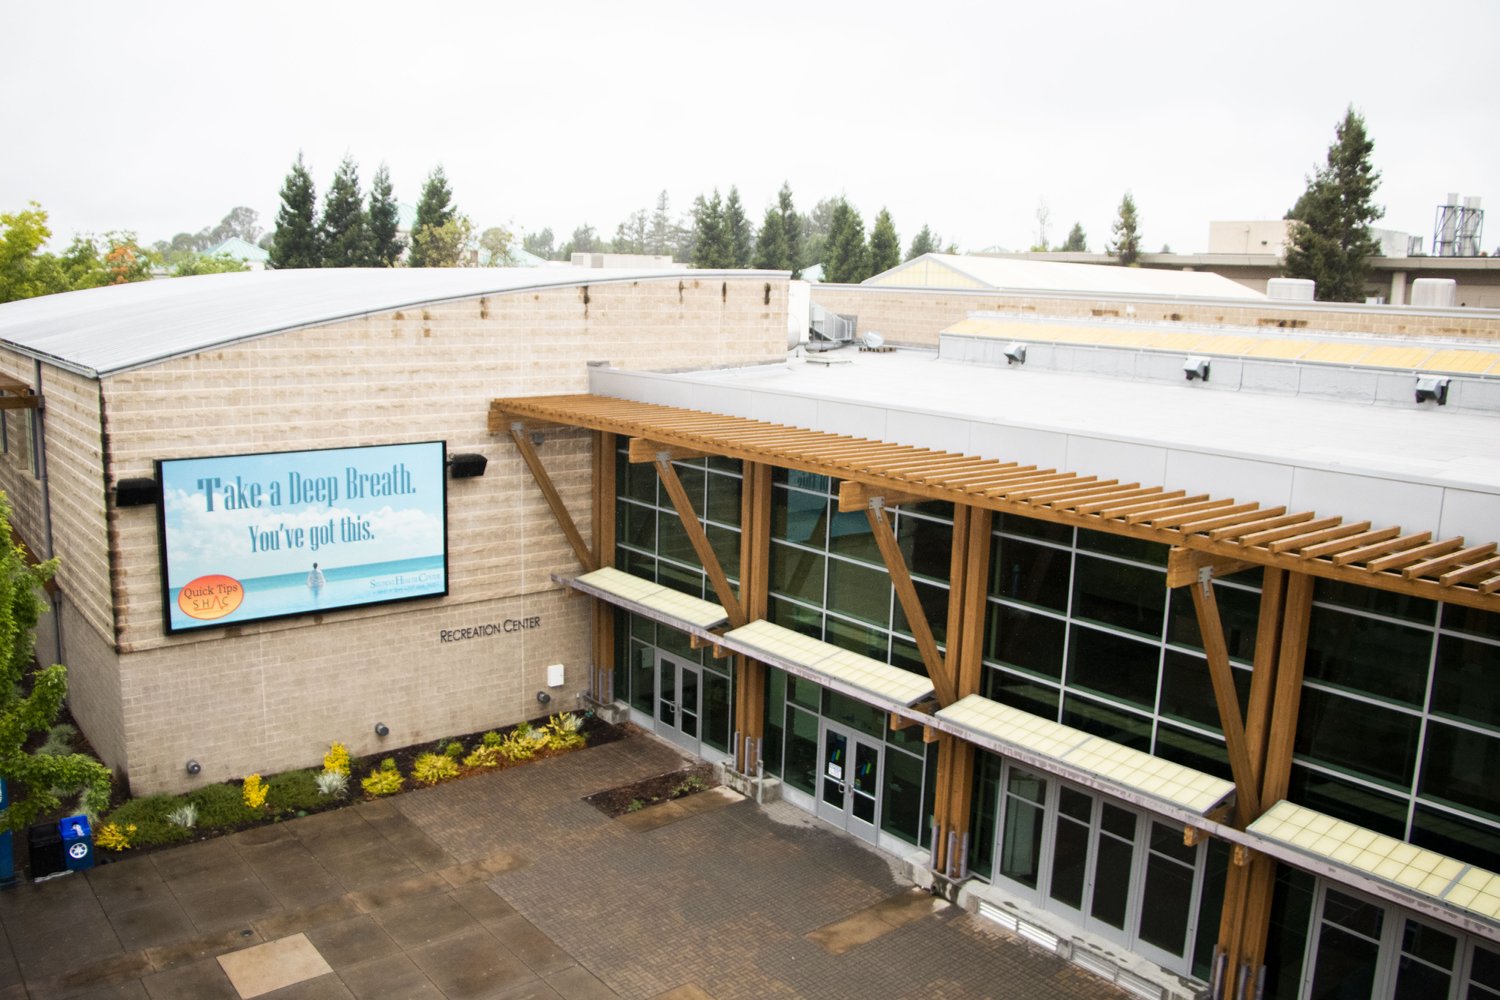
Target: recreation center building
<point>1160,624</point>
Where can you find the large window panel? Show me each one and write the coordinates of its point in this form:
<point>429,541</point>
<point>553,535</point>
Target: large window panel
<point>934,601</point>
<point>1461,768</point>
<point>1106,721</point>
<point>1466,681</point>
<point>1119,595</point>
<point>859,591</point>
<point>638,482</point>
<point>1190,749</point>
<point>1345,800</point>
<point>850,535</point>
<point>1357,737</point>
<point>724,499</point>
<point>1380,602</point>
<point>1031,574</point>
<point>1113,665</point>
<point>797,573</point>
<point>799,517</point>
<point>927,546</point>
<point>1026,640</point>
<point>796,617</point>
<point>637,526</point>
<point>857,638</point>
<point>1457,836</point>
<point>1187,690</point>
<point>1124,546</point>
<point>901,799</point>
<point>1370,655</point>
<point>1018,692</point>
<point>1239,613</point>
<point>1471,620</point>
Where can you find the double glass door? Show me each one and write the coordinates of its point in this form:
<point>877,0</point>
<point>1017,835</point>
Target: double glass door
<point>848,783</point>
<point>679,701</point>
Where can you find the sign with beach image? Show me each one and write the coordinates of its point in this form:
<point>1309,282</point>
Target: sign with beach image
<point>250,537</point>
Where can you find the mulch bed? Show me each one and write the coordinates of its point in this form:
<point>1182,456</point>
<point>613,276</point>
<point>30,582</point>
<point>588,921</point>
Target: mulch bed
<point>651,791</point>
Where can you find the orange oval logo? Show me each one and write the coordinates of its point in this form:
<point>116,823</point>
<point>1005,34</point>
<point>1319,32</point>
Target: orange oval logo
<point>210,597</point>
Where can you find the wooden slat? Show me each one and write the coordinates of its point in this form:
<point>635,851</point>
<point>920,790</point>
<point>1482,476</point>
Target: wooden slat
<point>1398,559</point>
<point>1249,513</point>
<point>1157,505</point>
<point>1338,545</point>
<point>1381,548</point>
<point>1296,542</point>
<point>1146,494</point>
<point>1184,513</point>
<point>1431,567</point>
<point>1061,498</point>
<point>1270,535</point>
<point>1469,574</point>
<point>1254,527</point>
<point>1073,481</point>
<point>642,452</point>
<point>1489,586</point>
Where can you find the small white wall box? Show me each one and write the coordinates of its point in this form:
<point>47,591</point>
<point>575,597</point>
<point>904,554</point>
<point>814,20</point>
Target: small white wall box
<point>555,675</point>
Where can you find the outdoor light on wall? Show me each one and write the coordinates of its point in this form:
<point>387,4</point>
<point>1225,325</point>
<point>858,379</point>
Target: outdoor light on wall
<point>1432,388</point>
<point>135,493</point>
<point>382,730</point>
<point>193,767</point>
<point>1195,368</point>
<point>543,697</point>
<point>1015,354</point>
<point>466,465</point>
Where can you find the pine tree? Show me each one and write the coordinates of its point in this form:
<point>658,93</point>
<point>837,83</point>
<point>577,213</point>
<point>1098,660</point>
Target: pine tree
<point>660,235</point>
<point>345,230</point>
<point>1330,238</point>
<point>815,227</point>
<point>1076,242</point>
<point>1127,243</point>
<point>296,241</point>
<point>710,238</point>
<point>885,245</point>
<point>384,246</point>
<point>771,252</point>
<point>738,233</point>
<point>923,242</point>
<point>631,235</point>
<point>791,230</point>
<point>434,211</point>
<point>846,259</point>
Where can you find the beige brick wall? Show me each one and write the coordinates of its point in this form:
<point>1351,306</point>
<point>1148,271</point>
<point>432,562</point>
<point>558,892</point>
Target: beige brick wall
<point>272,695</point>
<point>915,316</point>
<point>22,489</point>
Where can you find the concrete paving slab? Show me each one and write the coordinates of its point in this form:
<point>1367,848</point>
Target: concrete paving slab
<point>353,941</point>
<point>329,987</point>
<point>394,977</point>
<point>280,925</point>
<point>132,990</point>
<point>483,903</point>
<point>577,983</point>
<point>158,922</point>
<point>540,953</point>
<point>423,920</point>
<point>470,966</point>
<point>200,980</point>
<point>238,904</point>
<point>273,965</point>
<point>399,891</point>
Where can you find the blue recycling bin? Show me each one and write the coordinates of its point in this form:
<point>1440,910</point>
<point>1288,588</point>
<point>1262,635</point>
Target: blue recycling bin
<point>7,855</point>
<point>78,843</point>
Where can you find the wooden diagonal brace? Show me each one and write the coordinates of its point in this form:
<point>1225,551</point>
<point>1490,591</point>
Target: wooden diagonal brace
<point>1247,790</point>
<point>916,616</point>
<point>694,529</point>
<point>549,491</point>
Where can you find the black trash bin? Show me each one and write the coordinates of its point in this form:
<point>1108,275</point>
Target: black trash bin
<point>44,843</point>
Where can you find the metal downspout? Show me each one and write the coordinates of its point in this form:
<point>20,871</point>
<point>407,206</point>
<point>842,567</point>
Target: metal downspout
<point>39,449</point>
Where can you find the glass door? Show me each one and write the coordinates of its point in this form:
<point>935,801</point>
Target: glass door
<point>679,710</point>
<point>849,781</point>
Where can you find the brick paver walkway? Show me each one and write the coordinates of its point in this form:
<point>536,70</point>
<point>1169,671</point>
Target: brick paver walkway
<point>510,886</point>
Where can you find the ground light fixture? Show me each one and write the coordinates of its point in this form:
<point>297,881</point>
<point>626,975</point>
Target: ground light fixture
<point>193,767</point>
<point>466,465</point>
<point>1196,368</point>
<point>1433,389</point>
<point>1015,354</point>
<point>543,698</point>
<point>382,730</point>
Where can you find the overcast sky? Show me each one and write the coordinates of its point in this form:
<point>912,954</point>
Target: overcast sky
<point>160,117</point>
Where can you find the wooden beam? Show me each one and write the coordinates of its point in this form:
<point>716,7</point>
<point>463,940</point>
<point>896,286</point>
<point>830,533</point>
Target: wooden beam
<point>603,523</point>
<point>694,530</point>
<point>8,402</point>
<point>1365,552</point>
<point>1338,545</point>
<point>856,496</point>
<point>755,573</point>
<point>916,617</point>
<point>1247,806</point>
<point>1288,696</point>
<point>1468,574</point>
<point>554,500</point>
<point>1338,531</point>
<point>643,451</point>
<point>1421,552</point>
<point>1184,566</point>
<point>1431,567</point>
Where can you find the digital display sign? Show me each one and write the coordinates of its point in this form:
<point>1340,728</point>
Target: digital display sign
<point>250,537</point>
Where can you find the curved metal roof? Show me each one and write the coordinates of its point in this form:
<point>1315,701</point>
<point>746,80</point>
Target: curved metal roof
<point>104,331</point>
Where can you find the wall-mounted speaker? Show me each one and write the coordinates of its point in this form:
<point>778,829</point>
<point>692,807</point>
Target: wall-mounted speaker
<point>135,493</point>
<point>466,465</point>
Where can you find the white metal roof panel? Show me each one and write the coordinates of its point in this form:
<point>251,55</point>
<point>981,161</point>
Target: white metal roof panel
<point>1010,273</point>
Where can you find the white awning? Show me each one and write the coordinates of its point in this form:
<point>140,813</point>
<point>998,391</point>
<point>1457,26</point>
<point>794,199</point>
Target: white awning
<point>671,606</point>
<point>871,680</point>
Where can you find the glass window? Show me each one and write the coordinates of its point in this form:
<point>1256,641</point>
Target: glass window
<point>687,581</point>
<point>1170,870</point>
<point>1119,595</point>
<point>1239,613</point>
<point>799,517</point>
<point>1070,847</point>
<point>1014,524</point>
<point>1025,639</point>
<point>1369,655</point>
<point>1459,837</point>
<point>1018,692</point>
<point>934,601</point>
<point>1380,602</point>
<point>692,476</point>
<point>1357,737</point>
<point>796,617</point>
<point>724,499</point>
<point>987,770</point>
<point>1286,944</point>
<point>797,479</point>
<point>797,573</point>
<point>1124,546</point>
<point>1201,753</point>
<point>1356,803</point>
<point>1032,574</point>
<point>1115,844</point>
<point>857,638</point>
<point>1348,947</point>
<point>1113,665</point>
<point>1103,720</point>
<point>927,546</point>
<point>1459,767</point>
<point>643,678</point>
<point>859,591</point>
<point>726,545</point>
<point>856,715</point>
<point>627,561</point>
<point>717,712</point>
<point>1187,690</point>
<point>1021,839</point>
<point>638,482</point>
<point>1471,620</point>
<point>850,534</point>
<point>771,746</point>
<point>638,526</point>
<point>1465,683</point>
<point>901,799</point>
<point>674,543</point>
<point>801,749</point>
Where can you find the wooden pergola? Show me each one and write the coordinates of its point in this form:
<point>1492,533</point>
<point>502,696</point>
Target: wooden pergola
<point>1207,536</point>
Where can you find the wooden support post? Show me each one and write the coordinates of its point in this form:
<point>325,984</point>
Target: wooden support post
<point>755,585</point>
<point>549,491</point>
<point>906,593</point>
<point>600,684</point>
<point>1247,791</point>
<point>694,530</point>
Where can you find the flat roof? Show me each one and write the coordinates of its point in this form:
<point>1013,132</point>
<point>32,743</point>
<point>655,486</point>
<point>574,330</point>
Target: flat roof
<point>104,331</point>
<point>1015,274</point>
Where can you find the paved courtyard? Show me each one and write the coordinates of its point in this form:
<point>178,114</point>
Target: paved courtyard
<point>510,886</point>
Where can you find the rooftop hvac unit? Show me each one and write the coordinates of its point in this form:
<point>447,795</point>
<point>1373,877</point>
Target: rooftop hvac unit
<point>1291,289</point>
<point>1439,293</point>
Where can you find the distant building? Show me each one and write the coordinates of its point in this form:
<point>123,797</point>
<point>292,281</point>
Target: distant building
<point>254,257</point>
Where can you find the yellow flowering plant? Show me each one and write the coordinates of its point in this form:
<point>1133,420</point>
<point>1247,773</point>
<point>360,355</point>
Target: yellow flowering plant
<point>254,792</point>
<point>336,760</point>
<point>113,837</point>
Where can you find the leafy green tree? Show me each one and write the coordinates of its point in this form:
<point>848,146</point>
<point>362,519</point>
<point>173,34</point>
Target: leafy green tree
<point>885,245</point>
<point>661,235</point>
<point>199,263</point>
<point>496,242</point>
<point>434,211</point>
<point>113,259</point>
<point>385,245</point>
<point>711,248</point>
<point>738,233</point>
<point>25,269</point>
<point>1127,242</point>
<point>540,244</point>
<point>345,230</point>
<point>1330,235</point>
<point>583,240</point>
<point>630,235</point>
<point>923,242</point>
<point>846,259</point>
<point>449,244</point>
<point>1076,242</point>
<point>38,781</point>
<point>296,241</point>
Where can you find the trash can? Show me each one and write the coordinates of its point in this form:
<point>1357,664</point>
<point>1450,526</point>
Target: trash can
<point>45,851</point>
<point>7,855</point>
<point>77,842</point>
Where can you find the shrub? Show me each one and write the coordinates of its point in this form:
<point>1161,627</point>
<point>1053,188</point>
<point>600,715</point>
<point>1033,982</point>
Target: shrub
<point>221,806</point>
<point>254,792</point>
<point>522,730</point>
<point>431,768</point>
<point>491,739</point>
<point>295,791</point>
<point>336,759</point>
<point>333,784</point>
<point>562,731</point>
<point>518,746</point>
<point>113,837</point>
<point>185,816</point>
<point>453,750</point>
<point>486,755</point>
<point>384,780</point>
<point>59,741</point>
<point>146,822</point>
